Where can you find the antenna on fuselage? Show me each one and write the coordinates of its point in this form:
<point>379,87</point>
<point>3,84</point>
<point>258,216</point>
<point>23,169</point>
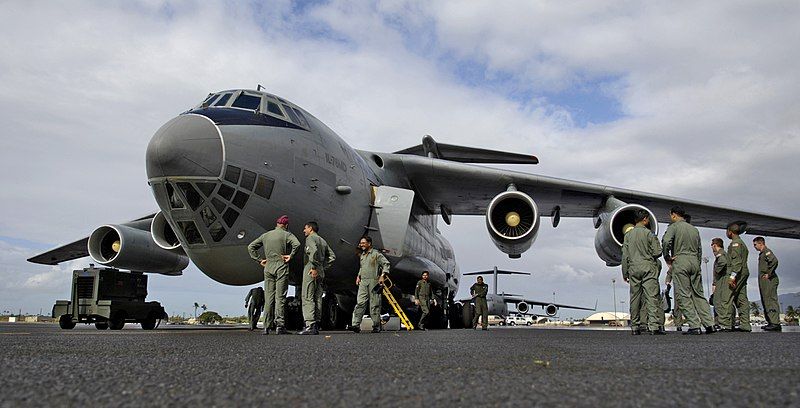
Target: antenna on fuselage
<point>260,87</point>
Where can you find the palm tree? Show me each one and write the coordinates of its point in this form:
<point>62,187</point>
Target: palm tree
<point>755,310</point>
<point>195,310</point>
<point>204,307</point>
<point>791,313</point>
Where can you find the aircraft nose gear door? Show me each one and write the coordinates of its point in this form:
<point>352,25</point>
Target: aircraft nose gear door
<point>391,210</point>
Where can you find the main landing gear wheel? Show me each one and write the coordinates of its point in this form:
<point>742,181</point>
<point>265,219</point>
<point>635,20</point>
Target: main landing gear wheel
<point>65,322</point>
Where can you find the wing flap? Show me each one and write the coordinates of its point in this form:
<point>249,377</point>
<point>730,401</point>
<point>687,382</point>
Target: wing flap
<point>464,154</point>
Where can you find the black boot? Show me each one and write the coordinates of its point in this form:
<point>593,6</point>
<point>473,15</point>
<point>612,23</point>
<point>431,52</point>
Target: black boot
<point>710,330</point>
<point>310,330</point>
<point>266,331</point>
<point>695,331</point>
<point>376,329</point>
<point>281,330</point>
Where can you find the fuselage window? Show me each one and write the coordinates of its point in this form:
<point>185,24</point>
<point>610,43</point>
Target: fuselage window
<point>240,199</point>
<point>223,100</point>
<point>190,232</point>
<point>264,186</point>
<point>248,180</point>
<point>206,188</point>
<point>232,174</point>
<point>218,204</point>
<point>247,102</point>
<point>230,216</point>
<point>217,231</point>
<point>174,200</point>
<point>207,215</point>
<point>273,108</point>
<point>192,196</point>
<point>225,192</point>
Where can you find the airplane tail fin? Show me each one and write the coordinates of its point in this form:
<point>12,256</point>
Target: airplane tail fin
<point>463,154</point>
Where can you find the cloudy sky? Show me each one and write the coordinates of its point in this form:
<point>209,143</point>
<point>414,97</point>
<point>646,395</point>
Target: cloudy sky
<point>690,99</point>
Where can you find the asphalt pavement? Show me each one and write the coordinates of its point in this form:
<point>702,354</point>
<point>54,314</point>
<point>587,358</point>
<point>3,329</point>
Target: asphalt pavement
<point>41,365</point>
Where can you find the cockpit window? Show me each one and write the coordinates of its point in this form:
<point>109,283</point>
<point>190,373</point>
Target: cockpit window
<point>246,101</point>
<point>292,115</point>
<point>223,100</point>
<point>209,99</point>
<point>300,117</point>
<point>273,108</point>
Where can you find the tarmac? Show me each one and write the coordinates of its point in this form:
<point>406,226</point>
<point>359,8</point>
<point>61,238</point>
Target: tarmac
<point>509,367</point>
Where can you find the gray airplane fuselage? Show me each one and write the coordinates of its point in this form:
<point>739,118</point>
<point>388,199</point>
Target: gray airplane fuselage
<point>222,176</point>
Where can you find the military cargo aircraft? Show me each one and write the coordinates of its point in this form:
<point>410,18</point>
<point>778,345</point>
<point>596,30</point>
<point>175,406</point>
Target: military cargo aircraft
<point>497,303</point>
<point>224,170</point>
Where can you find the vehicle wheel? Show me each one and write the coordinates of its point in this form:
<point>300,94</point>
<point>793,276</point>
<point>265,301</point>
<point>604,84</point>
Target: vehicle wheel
<point>528,323</point>
<point>117,321</point>
<point>101,325</point>
<point>149,323</point>
<point>65,322</point>
<point>512,324</point>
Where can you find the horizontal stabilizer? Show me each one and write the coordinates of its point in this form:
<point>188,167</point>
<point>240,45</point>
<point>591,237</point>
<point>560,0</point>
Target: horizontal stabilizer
<point>499,272</point>
<point>463,154</point>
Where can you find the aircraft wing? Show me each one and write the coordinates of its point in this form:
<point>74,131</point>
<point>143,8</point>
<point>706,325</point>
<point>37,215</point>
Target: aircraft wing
<point>79,248</point>
<point>467,189</point>
<point>515,300</point>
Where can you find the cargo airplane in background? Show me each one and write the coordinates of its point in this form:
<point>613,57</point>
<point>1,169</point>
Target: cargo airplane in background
<point>223,171</point>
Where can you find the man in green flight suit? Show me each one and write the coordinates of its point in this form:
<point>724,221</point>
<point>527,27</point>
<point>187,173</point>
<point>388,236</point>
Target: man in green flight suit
<point>681,246</point>
<point>768,284</point>
<point>279,246</point>
<point>318,259</point>
<point>722,292</point>
<point>479,290</point>
<point>640,253</point>
<point>373,267</point>
<point>737,256</point>
<point>422,297</point>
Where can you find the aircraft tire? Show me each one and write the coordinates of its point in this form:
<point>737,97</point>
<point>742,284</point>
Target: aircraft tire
<point>66,323</point>
<point>454,314</point>
<point>466,315</point>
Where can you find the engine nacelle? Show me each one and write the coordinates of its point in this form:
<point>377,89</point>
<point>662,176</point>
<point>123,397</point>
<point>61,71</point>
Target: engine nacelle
<point>130,248</point>
<point>162,233</point>
<point>512,219</point>
<point>610,223</point>
<point>551,310</point>
<point>523,307</point>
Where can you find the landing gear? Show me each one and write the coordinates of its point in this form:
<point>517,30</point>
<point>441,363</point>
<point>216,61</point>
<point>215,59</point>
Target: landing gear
<point>467,314</point>
<point>334,316</point>
<point>294,314</point>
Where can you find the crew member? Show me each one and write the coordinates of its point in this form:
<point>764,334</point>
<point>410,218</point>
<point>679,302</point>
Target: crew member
<point>254,302</point>
<point>681,246</point>
<point>739,273</point>
<point>640,251</point>
<point>768,284</point>
<point>279,246</point>
<point>479,290</point>
<point>422,297</point>
<point>722,292</point>
<point>373,267</point>
<point>318,258</point>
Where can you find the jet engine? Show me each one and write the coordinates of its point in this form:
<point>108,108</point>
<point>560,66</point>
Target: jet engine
<point>512,219</point>
<point>610,224</point>
<point>125,247</point>
<point>523,307</point>
<point>163,234</point>
<point>551,310</point>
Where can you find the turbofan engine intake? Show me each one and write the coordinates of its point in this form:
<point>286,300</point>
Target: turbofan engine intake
<point>551,310</point>
<point>523,307</point>
<point>130,248</point>
<point>610,223</point>
<point>162,233</point>
<point>512,219</point>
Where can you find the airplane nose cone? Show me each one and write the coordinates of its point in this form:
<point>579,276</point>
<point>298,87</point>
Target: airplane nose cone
<point>188,145</point>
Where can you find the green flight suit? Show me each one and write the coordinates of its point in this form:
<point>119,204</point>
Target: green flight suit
<point>640,250</point>
<point>722,290</point>
<point>768,288</point>
<point>372,265</point>
<point>737,257</point>
<point>318,255</point>
<point>479,292</point>
<point>681,243</point>
<point>677,316</point>
<point>423,294</point>
<point>275,243</point>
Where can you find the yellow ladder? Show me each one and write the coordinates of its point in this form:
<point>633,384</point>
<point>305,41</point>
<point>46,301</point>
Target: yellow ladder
<point>387,284</point>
